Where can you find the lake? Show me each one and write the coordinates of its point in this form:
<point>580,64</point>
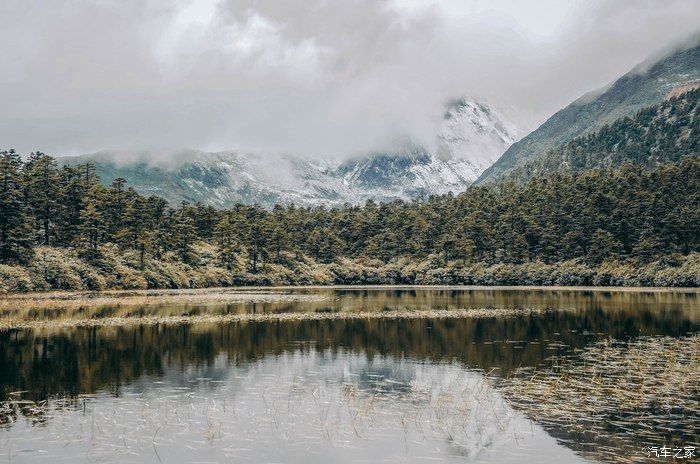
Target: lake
<point>221,377</point>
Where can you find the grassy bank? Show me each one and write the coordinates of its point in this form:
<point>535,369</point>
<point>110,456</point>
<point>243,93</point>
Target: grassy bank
<point>62,269</point>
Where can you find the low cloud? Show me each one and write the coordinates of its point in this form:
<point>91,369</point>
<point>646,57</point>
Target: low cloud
<point>310,77</point>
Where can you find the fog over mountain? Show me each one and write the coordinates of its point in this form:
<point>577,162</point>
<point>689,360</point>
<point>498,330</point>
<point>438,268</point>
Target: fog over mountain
<point>322,79</point>
<point>471,138</point>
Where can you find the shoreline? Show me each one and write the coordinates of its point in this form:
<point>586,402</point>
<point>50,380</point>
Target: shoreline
<point>56,269</point>
<point>64,294</point>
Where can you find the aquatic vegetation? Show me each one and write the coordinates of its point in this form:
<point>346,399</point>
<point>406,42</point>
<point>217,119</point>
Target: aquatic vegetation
<point>10,323</point>
<point>343,407</point>
<point>134,298</point>
<point>618,393</point>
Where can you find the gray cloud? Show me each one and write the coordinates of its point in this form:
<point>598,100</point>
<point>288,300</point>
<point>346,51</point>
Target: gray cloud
<point>306,76</point>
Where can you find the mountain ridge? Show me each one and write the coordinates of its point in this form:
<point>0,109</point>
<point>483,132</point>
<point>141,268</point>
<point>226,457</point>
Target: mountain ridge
<point>472,136</point>
<point>658,134</point>
<point>644,85</point>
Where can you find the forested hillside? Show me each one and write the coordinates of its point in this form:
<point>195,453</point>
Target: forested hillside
<point>60,228</point>
<point>658,134</point>
<point>646,84</point>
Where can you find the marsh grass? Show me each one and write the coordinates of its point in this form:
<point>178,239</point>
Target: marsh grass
<point>64,309</point>
<point>617,396</point>
<point>76,300</point>
<point>474,313</point>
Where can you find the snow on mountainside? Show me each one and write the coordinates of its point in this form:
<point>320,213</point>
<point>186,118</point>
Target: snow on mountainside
<point>475,132</point>
<point>472,137</point>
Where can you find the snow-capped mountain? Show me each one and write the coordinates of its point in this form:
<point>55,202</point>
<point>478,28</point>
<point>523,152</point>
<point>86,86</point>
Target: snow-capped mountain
<point>473,135</point>
<point>475,132</point>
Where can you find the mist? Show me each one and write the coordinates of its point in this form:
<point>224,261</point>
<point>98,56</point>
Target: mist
<point>314,78</point>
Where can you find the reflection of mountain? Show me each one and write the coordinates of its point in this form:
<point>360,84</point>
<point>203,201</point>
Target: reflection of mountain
<point>312,407</point>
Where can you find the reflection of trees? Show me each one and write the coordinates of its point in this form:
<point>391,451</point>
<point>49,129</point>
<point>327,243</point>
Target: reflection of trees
<point>377,299</point>
<point>67,363</point>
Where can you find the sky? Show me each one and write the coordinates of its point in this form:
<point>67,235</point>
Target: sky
<point>320,78</point>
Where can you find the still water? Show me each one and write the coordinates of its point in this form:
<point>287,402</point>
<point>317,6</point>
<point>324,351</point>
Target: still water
<point>376,390</point>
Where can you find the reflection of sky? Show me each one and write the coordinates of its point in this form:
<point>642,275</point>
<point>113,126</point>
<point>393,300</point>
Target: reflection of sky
<point>301,406</point>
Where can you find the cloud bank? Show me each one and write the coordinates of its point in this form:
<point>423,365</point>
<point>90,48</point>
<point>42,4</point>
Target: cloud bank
<point>312,77</point>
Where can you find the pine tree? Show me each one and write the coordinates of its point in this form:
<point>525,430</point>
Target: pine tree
<point>41,181</point>
<point>114,205</point>
<point>144,244</point>
<point>72,193</point>
<point>603,246</point>
<point>228,242</point>
<point>257,240</point>
<point>331,245</point>
<point>184,233</point>
<point>91,230</point>
<point>15,244</point>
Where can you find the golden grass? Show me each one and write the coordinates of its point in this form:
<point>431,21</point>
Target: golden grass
<point>77,300</point>
<point>272,317</point>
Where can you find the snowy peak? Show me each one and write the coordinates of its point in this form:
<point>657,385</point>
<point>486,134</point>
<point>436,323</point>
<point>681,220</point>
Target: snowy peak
<point>473,134</point>
<point>476,132</point>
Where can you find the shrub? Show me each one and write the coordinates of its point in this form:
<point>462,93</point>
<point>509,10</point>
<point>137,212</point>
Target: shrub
<point>58,267</point>
<point>15,279</point>
<point>63,269</point>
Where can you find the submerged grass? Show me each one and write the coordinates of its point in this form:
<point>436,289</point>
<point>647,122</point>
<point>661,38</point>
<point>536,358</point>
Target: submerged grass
<point>617,396</point>
<point>8,324</point>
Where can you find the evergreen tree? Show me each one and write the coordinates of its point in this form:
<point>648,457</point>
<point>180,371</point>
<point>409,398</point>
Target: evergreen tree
<point>41,182</point>
<point>72,193</point>
<point>91,230</point>
<point>183,233</point>
<point>228,242</point>
<point>15,245</point>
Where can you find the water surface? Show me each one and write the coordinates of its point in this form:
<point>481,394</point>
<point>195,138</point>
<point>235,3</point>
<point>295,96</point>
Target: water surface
<point>388,390</point>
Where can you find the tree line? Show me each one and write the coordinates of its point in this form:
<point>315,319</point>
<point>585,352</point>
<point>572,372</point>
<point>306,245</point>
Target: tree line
<point>597,215</point>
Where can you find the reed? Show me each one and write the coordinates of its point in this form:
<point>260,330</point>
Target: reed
<point>618,395</point>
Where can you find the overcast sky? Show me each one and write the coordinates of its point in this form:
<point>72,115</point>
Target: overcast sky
<point>320,78</point>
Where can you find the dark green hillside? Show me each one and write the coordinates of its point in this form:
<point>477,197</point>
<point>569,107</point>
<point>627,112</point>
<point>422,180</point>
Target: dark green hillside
<point>634,91</point>
<point>656,135</point>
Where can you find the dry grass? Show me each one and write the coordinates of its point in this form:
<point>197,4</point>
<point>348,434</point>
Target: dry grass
<point>77,300</point>
<point>620,396</point>
<point>260,317</point>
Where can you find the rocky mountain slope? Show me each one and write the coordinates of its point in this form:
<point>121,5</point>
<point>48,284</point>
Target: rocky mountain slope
<point>645,85</point>
<point>472,136</point>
